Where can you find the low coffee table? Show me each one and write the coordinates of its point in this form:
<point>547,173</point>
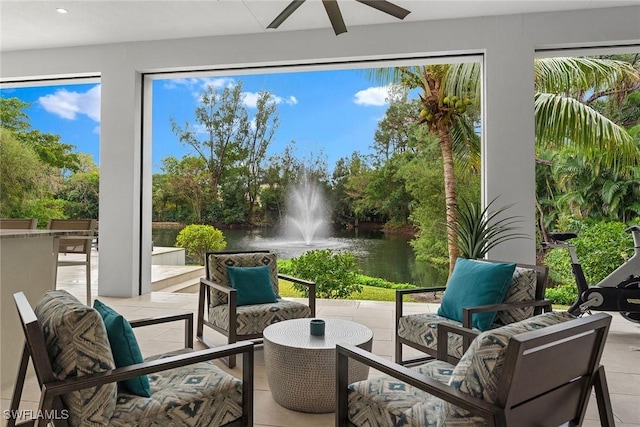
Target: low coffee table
<point>301,367</point>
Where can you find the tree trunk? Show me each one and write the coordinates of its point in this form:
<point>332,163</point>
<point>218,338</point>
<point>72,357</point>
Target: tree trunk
<point>446,146</point>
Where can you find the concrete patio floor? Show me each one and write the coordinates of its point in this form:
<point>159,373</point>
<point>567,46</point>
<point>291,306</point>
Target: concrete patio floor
<point>621,356</point>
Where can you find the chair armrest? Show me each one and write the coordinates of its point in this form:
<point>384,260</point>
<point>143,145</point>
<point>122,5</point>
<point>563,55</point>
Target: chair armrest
<point>50,390</point>
<point>444,329</point>
<point>296,280</point>
<point>345,352</point>
<point>188,324</point>
<point>400,293</point>
<point>312,290</point>
<point>226,289</point>
<point>468,312</point>
<point>232,303</point>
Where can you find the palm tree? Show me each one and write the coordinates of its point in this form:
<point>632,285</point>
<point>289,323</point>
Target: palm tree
<point>565,88</point>
<point>448,90</point>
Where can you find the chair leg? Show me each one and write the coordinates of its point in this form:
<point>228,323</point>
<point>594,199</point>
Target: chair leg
<point>56,244</point>
<point>398,359</point>
<point>602,397</point>
<point>17,389</point>
<point>89,279</point>
<point>231,360</point>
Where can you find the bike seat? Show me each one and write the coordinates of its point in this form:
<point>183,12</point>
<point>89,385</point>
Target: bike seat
<point>562,237</point>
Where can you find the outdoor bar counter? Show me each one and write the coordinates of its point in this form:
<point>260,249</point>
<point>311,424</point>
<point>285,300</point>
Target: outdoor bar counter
<point>27,263</point>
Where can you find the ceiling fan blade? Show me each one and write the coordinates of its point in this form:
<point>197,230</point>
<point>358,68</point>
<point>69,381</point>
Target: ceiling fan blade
<point>386,7</point>
<point>285,13</point>
<point>333,11</point>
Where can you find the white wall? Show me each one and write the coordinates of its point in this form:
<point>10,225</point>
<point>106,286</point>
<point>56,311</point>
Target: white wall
<point>508,43</point>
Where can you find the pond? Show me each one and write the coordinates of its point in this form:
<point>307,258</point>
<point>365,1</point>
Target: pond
<point>378,254</point>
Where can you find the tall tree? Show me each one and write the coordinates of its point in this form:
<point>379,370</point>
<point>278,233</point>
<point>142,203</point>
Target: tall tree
<point>446,92</point>
<point>224,121</point>
<point>187,182</point>
<point>47,146</point>
<point>261,131</point>
<point>394,130</point>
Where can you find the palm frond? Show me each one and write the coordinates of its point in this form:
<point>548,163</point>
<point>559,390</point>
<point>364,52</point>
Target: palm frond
<point>562,121</point>
<point>560,74</point>
<point>463,80</point>
<point>466,143</point>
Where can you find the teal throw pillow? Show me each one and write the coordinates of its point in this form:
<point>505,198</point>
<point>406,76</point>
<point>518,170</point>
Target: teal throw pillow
<point>475,283</point>
<point>124,347</point>
<point>253,285</point>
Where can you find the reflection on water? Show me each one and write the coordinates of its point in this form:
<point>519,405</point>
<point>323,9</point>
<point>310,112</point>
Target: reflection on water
<point>379,255</point>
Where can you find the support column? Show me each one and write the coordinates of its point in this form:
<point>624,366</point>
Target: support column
<point>124,262</point>
<point>508,158</point>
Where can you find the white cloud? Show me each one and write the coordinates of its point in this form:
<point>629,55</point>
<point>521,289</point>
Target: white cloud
<point>373,96</point>
<point>69,105</point>
<point>250,99</point>
<point>200,83</point>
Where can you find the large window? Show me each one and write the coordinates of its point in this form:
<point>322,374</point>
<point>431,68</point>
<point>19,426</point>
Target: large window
<point>229,150</point>
<point>50,149</point>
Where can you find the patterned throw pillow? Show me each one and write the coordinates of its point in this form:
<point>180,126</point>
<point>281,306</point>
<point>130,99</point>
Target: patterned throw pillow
<point>77,344</point>
<point>522,288</point>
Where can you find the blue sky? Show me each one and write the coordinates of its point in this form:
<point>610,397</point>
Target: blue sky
<point>333,111</point>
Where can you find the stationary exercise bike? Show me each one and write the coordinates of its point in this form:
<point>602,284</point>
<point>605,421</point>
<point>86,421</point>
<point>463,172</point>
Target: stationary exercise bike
<point>619,291</point>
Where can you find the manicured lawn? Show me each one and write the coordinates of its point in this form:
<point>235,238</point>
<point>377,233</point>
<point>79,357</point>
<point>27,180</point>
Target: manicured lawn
<point>369,293</point>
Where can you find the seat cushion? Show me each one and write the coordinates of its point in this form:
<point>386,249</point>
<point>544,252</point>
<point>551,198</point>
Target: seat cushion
<point>196,395</point>
<point>386,401</point>
<point>422,329</point>
<point>478,372</point>
<point>522,288</point>
<point>252,319</point>
<point>474,283</point>
<point>437,369</point>
<point>218,264</point>
<point>77,344</point>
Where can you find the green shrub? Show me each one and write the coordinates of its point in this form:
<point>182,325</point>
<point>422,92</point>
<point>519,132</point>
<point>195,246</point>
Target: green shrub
<point>378,282</point>
<point>562,294</point>
<point>335,273</point>
<point>197,240</point>
<point>601,248</point>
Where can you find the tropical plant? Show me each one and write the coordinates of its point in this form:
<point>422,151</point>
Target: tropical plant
<point>447,91</point>
<point>197,240</point>
<point>480,230</point>
<point>335,273</point>
<point>563,116</point>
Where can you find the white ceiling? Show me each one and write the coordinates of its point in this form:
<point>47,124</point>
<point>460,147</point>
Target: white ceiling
<point>27,24</point>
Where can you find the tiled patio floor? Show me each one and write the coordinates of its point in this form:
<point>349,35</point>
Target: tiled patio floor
<point>621,356</point>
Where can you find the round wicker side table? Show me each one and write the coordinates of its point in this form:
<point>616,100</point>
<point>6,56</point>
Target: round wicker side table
<point>301,367</point>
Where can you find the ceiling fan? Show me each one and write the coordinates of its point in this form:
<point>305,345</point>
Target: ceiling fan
<point>333,11</point>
